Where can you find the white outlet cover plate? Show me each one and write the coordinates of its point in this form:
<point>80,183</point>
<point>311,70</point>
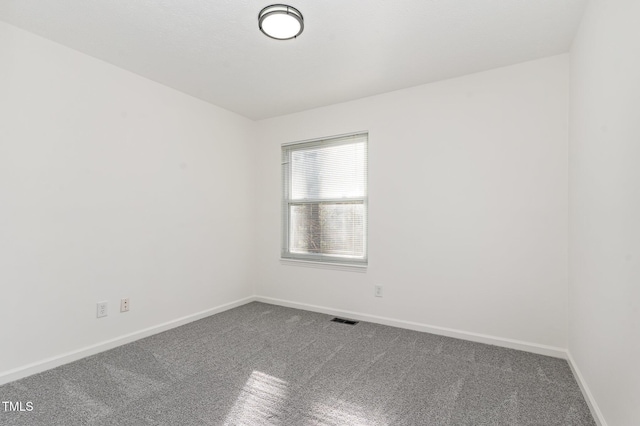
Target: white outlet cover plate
<point>102,309</point>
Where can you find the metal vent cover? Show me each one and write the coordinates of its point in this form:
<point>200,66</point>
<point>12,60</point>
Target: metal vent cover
<point>344,321</point>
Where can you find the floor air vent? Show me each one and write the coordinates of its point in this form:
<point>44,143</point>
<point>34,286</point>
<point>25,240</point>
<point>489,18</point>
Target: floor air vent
<point>344,321</point>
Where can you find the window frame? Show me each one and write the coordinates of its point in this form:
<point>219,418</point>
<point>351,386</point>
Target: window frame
<point>286,202</point>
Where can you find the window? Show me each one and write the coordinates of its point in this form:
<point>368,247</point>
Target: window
<point>324,193</point>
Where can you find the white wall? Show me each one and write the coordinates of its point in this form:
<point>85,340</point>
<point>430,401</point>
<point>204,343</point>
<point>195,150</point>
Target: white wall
<point>111,186</point>
<point>604,239</point>
<point>468,204</point>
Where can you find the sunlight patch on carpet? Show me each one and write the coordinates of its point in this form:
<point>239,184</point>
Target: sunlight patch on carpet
<point>260,401</point>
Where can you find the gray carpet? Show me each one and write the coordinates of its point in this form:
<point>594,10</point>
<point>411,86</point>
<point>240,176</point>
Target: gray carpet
<point>260,364</point>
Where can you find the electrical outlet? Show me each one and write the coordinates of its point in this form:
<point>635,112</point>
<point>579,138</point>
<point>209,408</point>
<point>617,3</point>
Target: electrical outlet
<point>377,291</point>
<point>124,305</point>
<point>103,309</point>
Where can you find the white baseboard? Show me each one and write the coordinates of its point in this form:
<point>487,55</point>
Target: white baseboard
<point>49,363</point>
<point>588,396</point>
<point>443,331</point>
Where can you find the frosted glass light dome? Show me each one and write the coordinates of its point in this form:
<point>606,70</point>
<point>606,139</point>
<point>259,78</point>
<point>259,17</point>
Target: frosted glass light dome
<point>281,22</point>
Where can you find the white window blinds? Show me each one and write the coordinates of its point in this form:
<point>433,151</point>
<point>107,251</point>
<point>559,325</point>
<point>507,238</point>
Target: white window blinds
<point>324,193</point>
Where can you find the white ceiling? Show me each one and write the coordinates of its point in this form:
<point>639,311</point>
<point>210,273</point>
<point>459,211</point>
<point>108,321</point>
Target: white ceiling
<point>212,49</point>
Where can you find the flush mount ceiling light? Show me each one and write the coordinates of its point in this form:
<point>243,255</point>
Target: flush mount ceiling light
<point>281,22</point>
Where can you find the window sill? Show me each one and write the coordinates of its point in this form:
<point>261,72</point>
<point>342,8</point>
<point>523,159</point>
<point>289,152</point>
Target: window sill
<point>324,265</point>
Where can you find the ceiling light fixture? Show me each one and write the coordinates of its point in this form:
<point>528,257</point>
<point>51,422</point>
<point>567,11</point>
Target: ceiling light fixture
<point>281,22</point>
